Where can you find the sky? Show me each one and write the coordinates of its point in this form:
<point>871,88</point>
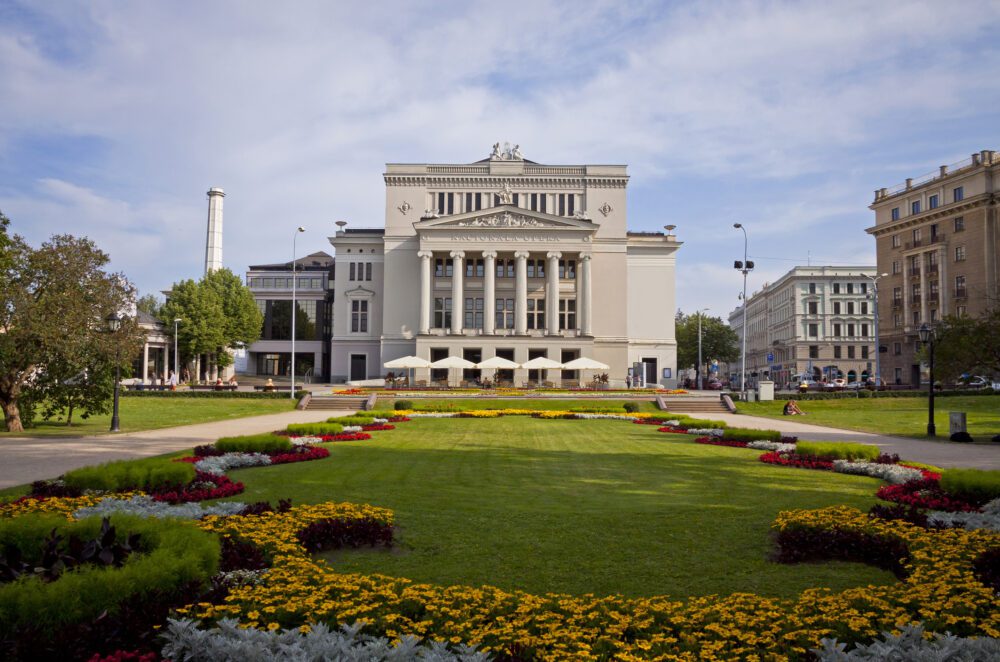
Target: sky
<point>117,117</point>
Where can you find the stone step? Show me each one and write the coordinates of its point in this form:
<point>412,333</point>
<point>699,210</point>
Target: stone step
<point>336,403</point>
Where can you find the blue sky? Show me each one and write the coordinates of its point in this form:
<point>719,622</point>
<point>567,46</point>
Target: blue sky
<point>116,117</point>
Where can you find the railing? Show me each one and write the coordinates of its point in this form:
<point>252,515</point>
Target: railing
<point>961,293</point>
<point>459,170</point>
<point>915,299</point>
<point>896,303</point>
<point>554,170</point>
<point>932,268</point>
<point>943,171</point>
<point>914,273</point>
<point>933,296</point>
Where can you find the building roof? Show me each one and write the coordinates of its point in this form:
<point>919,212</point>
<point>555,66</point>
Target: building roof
<point>318,261</point>
<point>378,231</point>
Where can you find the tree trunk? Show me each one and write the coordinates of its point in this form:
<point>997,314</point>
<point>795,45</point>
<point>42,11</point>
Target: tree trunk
<point>12,416</point>
<point>69,415</point>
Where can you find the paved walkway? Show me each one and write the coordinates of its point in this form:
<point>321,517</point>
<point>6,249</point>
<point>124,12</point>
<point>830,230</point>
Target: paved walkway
<point>939,453</point>
<point>23,460</point>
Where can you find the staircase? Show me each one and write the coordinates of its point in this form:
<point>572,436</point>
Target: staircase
<point>336,402</point>
<point>696,406</point>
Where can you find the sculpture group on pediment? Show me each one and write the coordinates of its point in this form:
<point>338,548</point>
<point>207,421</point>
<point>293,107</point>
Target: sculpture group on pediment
<point>505,220</point>
<point>506,153</point>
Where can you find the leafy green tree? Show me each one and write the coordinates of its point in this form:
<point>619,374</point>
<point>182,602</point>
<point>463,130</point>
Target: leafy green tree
<point>149,304</point>
<point>203,322</point>
<point>53,305</point>
<point>243,318</point>
<point>967,345</point>
<point>718,340</point>
<point>88,391</point>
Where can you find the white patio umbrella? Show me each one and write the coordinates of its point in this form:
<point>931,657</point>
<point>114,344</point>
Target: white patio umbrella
<point>585,363</point>
<point>498,363</point>
<point>541,363</point>
<point>452,363</point>
<point>407,363</point>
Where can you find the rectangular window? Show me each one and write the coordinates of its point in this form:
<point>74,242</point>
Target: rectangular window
<point>812,288</point>
<point>531,268</point>
<point>359,317</point>
<point>960,286</point>
<point>567,314</point>
<point>473,313</point>
<point>864,351</point>
<point>504,314</point>
<point>850,330</point>
<point>468,202</point>
<point>896,241</point>
<point>897,295</point>
<point>959,253</point>
<point>836,351</point>
<point>814,330</point>
<point>813,308</point>
<point>897,348</point>
<point>562,204</point>
<point>895,216</point>
<point>933,315</point>
<point>932,202</point>
<point>443,267</point>
<point>932,258</point>
<point>474,268</point>
<point>915,207</point>
<point>957,194</point>
<point>353,267</point>
<point>850,288</point>
<point>567,269</point>
<point>814,351</point>
<point>915,292</point>
<point>836,330</point>
<point>864,307</point>
<point>897,319</point>
<point>897,266</point>
<point>959,224</point>
<point>451,203</point>
<point>960,311</point>
<point>368,270</point>
<point>440,203</point>
<point>850,351</point>
<point>864,288</point>
<point>442,312</point>
<point>836,288</point>
<point>543,197</point>
<point>516,198</point>
<point>836,307</point>
<point>916,236</point>
<point>916,318</point>
<point>864,330</point>
<point>536,313</point>
<point>850,307</point>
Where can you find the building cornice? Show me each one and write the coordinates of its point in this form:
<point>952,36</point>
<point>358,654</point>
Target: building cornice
<point>519,182</point>
<point>935,214</point>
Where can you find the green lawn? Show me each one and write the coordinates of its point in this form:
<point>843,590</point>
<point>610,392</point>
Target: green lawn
<point>571,506</point>
<point>460,404</point>
<point>152,413</point>
<point>898,416</point>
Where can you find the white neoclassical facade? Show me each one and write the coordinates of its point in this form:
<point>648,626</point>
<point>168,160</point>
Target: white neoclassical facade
<point>505,257</point>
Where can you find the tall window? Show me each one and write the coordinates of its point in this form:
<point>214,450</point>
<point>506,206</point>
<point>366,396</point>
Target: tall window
<point>864,330</point>
<point>359,316</point>
<point>959,224</point>
<point>836,307</point>
<point>896,241</point>
<point>864,307</point>
<point>850,307</point>
<point>960,286</point>
<point>813,307</point>
<point>473,313</point>
<point>442,312</point>
<point>897,267</point>
<point>850,330</point>
<point>566,202</point>
<point>932,202</point>
<point>850,351</point>
<point>836,330</point>
<point>897,319</point>
<point>916,236</point>
<point>957,193</point>
<point>850,288</point>
<point>897,296</point>
<point>812,288</point>
<point>368,270</point>
<point>864,351</point>
<point>567,269</point>
<point>836,351</point>
<point>504,314</point>
<point>445,203</point>
<point>443,267</point>
<point>814,351</point>
<point>474,268</point>
<point>353,270</point>
<point>536,313</point>
<point>813,330</point>
<point>567,314</point>
<point>836,288</point>
<point>959,253</point>
<point>864,288</point>
<point>537,201</point>
<point>915,207</point>
<point>895,217</point>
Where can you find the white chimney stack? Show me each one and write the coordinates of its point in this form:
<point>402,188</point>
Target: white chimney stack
<point>213,243</point>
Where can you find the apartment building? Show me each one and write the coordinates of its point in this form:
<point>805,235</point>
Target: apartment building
<point>815,321</point>
<point>937,238</point>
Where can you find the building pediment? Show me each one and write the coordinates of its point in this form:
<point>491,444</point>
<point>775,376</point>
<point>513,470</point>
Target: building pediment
<point>359,293</point>
<point>505,217</point>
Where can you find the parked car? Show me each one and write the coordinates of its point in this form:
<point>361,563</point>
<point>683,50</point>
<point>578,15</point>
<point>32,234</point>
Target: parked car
<point>856,386</point>
<point>979,382</point>
<point>835,384</point>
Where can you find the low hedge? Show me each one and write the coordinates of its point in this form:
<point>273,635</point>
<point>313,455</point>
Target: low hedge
<point>357,419</point>
<point>973,485</point>
<point>837,451</point>
<point>316,429</point>
<point>865,393</point>
<point>151,475</point>
<point>173,555</point>
<point>689,422</point>
<point>184,393</point>
<point>401,405</point>
<point>749,434</point>
<point>254,443</point>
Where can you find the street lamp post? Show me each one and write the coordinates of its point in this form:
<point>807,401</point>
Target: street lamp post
<point>745,267</point>
<point>295,278</point>
<point>114,323</point>
<point>878,347</point>
<point>927,337</point>
<point>177,375</point>
<point>698,380</point>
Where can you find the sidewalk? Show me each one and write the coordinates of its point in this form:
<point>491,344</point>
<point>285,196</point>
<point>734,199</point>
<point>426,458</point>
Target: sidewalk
<point>940,453</point>
<point>23,460</point>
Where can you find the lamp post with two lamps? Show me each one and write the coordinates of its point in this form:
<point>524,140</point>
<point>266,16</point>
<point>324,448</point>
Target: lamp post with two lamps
<point>878,347</point>
<point>745,267</point>
<point>114,323</point>
<point>927,337</point>
<point>177,375</point>
<point>699,380</point>
<point>295,277</point>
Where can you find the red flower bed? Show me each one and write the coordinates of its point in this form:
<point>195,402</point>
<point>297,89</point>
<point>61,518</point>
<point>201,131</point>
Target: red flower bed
<point>924,493</point>
<point>793,460</point>
<point>716,441</point>
<point>223,488</point>
<point>649,421</point>
<point>673,430</point>
<point>399,419</point>
<point>376,427</point>
<point>125,656</point>
<point>310,453</point>
<point>345,436</point>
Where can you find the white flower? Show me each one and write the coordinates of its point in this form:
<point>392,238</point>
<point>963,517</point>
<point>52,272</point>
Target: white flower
<point>707,432</point>
<point>350,429</point>
<point>146,506</point>
<point>765,445</point>
<point>220,464</point>
<point>891,473</point>
<point>989,518</point>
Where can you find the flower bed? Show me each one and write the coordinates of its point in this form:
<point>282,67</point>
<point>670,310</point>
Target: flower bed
<point>717,441</point>
<point>924,493</point>
<point>796,460</point>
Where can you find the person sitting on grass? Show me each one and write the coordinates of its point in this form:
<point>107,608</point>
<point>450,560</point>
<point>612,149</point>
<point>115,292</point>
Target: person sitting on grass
<point>792,409</point>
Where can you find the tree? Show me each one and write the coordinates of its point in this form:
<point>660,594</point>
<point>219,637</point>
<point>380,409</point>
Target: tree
<point>53,305</point>
<point>243,318</point>
<point>149,304</point>
<point>967,345</point>
<point>718,340</point>
<point>203,326</point>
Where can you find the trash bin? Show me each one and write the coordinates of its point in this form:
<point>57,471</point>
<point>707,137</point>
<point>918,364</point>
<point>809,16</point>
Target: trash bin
<point>765,390</point>
<point>956,422</point>
<point>751,395</point>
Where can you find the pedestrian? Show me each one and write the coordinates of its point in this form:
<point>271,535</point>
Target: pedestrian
<point>628,381</point>
<point>173,380</point>
<point>186,376</point>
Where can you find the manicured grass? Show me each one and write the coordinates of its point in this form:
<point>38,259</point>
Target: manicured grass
<point>897,416</point>
<point>153,413</point>
<point>460,404</point>
<point>571,506</point>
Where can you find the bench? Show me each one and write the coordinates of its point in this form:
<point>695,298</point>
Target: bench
<point>149,387</point>
<point>271,389</point>
<point>212,387</point>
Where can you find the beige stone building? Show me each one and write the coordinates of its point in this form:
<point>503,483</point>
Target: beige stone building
<point>937,237</point>
<point>504,257</point>
<point>814,321</point>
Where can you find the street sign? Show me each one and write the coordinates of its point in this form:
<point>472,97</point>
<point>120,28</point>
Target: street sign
<point>770,357</point>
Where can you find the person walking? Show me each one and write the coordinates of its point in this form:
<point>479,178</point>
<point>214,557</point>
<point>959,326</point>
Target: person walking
<point>173,380</point>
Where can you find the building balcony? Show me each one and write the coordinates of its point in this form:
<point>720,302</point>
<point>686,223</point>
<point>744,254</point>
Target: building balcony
<point>961,293</point>
<point>932,269</point>
<point>913,273</point>
<point>915,300</point>
<point>933,297</point>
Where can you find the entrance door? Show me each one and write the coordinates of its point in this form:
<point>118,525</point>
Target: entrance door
<point>649,371</point>
<point>359,367</point>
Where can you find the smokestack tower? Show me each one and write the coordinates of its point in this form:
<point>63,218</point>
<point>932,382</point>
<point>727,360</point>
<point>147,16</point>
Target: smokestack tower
<point>213,243</point>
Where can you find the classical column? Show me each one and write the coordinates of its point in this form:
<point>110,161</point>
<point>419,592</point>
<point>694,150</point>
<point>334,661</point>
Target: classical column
<point>489,292</point>
<point>521,293</point>
<point>552,293</point>
<point>457,298</point>
<point>425,290</point>
<point>583,309</point>
<point>924,294</point>
<point>145,362</point>
<point>943,303</point>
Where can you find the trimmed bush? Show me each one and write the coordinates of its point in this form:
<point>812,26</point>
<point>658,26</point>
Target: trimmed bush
<point>254,443</point>
<point>631,407</point>
<point>973,485</point>
<point>356,419</point>
<point>962,437</point>
<point>185,393</point>
<point>403,404</point>
<point>151,475</point>
<point>748,434</point>
<point>175,554</point>
<point>315,429</point>
<point>838,451</point>
<point>689,422</point>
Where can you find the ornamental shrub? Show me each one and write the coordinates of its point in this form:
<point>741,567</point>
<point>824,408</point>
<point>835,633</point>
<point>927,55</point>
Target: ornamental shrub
<point>151,475</point>
<point>315,429</point>
<point>911,644</point>
<point>237,395</point>
<point>356,419</point>
<point>972,485</point>
<point>631,407</point>
<point>175,554</point>
<point>403,405</point>
<point>747,434</point>
<point>254,443</point>
<point>838,451</point>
